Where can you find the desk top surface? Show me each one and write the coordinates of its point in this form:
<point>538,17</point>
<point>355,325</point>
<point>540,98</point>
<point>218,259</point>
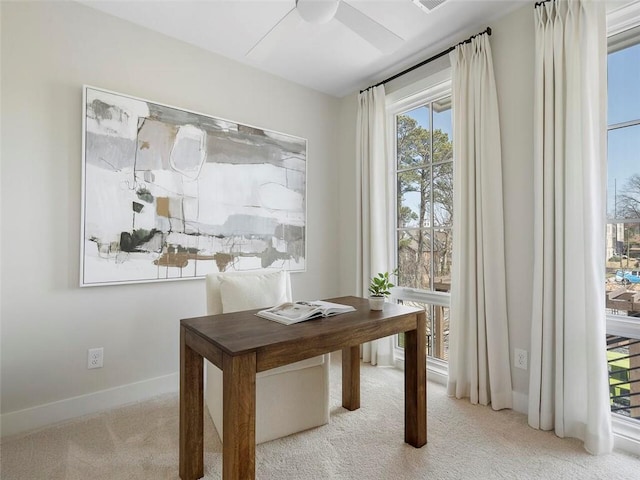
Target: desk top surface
<point>242,332</point>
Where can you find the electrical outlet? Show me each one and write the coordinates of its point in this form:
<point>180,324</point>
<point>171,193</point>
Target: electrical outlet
<point>95,357</point>
<point>520,358</point>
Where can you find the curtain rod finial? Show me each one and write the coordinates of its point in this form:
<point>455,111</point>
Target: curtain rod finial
<point>489,31</point>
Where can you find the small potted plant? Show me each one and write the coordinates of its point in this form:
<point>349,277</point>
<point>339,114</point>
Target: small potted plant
<point>379,289</point>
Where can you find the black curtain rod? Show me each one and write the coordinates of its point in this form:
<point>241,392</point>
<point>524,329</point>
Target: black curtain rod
<point>428,60</point>
<point>541,3</point>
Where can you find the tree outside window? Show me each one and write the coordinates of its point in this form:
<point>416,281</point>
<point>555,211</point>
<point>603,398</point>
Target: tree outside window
<point>425,196</point>
<point>424,186</point>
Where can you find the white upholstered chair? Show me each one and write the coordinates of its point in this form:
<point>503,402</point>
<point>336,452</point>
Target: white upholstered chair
<point>290,398</point>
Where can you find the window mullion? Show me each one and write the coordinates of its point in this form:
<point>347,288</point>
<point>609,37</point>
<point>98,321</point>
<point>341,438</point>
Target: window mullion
<point>431,213</point>
<point>630,123</point>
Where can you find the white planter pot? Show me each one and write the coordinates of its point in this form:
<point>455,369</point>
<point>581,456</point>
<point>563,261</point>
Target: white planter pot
<point>376,303</point>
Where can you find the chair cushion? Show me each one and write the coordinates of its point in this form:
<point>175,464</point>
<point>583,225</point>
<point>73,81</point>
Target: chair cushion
<point>246,292</point>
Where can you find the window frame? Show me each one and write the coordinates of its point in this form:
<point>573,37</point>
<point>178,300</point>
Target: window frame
<point>621,22</point>
<point>424,91</point>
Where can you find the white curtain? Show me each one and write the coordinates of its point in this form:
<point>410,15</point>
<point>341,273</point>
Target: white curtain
<point>373,206</point>
<point>568,387</point>
<point>479,340</point>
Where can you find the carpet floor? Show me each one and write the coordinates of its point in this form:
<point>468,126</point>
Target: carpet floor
<point>464,442</point>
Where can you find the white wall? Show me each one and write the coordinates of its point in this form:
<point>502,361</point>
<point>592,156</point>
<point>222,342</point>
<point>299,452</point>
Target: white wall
<point>49,50</point>
<point>349,214</point>
<point>512,44</point>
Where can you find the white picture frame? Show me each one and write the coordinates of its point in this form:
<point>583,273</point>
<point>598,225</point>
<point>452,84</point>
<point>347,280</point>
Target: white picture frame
<point>171,194</point>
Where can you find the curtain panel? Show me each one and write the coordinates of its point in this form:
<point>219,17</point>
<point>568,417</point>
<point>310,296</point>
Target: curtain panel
<point>568,388</point>
<point>374,206</point>
<point>478,338</point>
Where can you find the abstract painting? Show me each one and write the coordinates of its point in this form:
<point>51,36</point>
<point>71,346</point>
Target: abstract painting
<point>171,194</point>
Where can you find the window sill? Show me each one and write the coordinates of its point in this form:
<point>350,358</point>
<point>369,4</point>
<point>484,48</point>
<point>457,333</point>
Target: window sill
<point>442,299</point>
<point>626,433</point>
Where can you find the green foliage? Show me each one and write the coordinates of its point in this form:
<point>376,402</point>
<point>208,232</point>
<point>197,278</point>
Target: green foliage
<point>380,284</point>
<point>406,216</point>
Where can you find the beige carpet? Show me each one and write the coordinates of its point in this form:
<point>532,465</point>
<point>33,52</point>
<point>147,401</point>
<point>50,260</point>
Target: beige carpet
<point>465,442</point>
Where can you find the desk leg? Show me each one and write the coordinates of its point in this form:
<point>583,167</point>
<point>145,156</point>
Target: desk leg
<point>351,377</point>
<point>239,417</point>
<point>191,412</point>
<point>415,384</point>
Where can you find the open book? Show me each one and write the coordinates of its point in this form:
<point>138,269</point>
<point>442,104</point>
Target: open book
<point>289,313</point>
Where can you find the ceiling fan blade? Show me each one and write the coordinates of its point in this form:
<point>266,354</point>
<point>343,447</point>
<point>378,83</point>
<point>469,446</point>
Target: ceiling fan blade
<point>273,38</point>
<point>380,37</point>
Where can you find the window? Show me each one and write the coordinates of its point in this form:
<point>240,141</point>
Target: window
<point>423,176</point>
<point>424,173</point>
<point>622,285</point>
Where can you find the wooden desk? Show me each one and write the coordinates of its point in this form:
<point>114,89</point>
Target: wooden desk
<point>242,344</point>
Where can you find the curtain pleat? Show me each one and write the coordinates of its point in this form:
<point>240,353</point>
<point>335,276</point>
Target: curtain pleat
<point>479,366</point>
<point>568,389</point>
<point>374,205</point>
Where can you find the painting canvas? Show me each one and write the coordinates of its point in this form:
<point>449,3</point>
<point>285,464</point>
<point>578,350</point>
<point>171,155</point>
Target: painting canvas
<point>172,194</point>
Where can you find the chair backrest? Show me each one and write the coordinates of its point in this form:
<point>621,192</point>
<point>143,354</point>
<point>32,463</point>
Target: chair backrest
<point>233,291</point>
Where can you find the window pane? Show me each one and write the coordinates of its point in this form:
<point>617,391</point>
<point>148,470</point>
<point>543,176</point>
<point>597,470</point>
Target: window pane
<point>623,267</point>
<point>414,198</point>
<point>414,256</point>
<point>623,356</point>
<point>413,138</point>
<point>440,332</point>
<point>622,285</point>
<point>443,194</point>
<point>425,195</point>
<point>442,253</point>
<point>424,185</point>
<point>437,329</point>
<point>623,172</point>
<point>623,91</point>
<point>442,131</point>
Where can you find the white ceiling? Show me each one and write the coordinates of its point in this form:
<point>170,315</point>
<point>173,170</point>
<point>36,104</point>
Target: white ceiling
<point>328,57</point>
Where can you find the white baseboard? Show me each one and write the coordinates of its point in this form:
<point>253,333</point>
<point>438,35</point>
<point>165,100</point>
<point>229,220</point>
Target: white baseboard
<point>520,402</point>
<point>437,376</point>
<point>626,434</point>
<point>44,415</point>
